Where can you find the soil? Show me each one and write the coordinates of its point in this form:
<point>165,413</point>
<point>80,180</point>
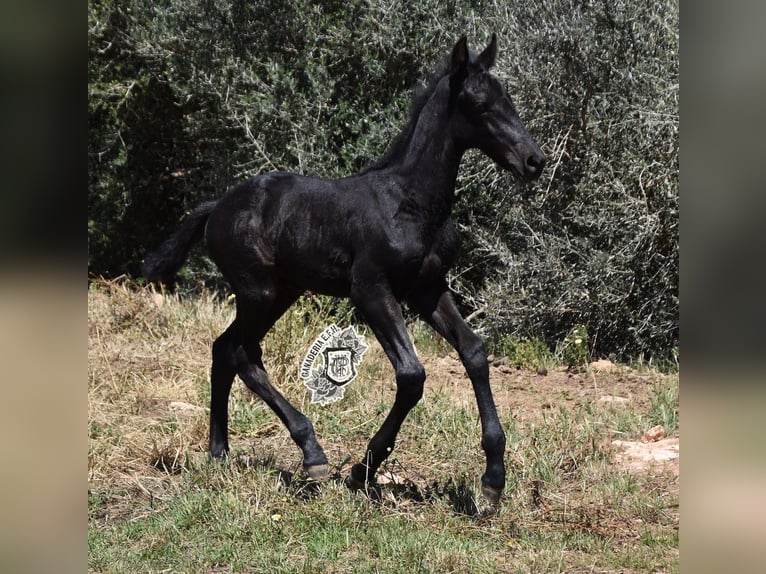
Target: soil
<point>528,394</point>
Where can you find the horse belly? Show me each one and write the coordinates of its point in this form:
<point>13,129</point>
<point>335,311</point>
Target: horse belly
<point>314,255</point>
<point>323,273</point>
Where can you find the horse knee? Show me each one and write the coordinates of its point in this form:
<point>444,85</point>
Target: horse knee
<point>410,382</point>
<point>475,357</point>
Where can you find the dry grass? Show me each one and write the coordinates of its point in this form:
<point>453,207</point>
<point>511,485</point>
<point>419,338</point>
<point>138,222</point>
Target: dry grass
<point>157,503</point>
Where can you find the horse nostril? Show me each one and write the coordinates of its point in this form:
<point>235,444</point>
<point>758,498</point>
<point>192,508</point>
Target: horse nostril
<point>536,163</point>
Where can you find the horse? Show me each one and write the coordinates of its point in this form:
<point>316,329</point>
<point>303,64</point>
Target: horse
<point>382,237</point>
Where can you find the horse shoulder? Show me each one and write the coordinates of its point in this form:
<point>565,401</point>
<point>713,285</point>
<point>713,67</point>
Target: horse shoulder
<point>443,252</point>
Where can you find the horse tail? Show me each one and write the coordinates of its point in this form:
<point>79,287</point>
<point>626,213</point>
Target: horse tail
<point>161,265</point>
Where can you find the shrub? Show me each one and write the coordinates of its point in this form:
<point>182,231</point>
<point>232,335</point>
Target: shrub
<point>188,98</point>
<point>597,245</point>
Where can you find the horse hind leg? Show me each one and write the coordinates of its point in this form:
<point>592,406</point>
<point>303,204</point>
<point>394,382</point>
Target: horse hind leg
<point>254,321</point>
<point>222,373</point>
<point>250,369</point>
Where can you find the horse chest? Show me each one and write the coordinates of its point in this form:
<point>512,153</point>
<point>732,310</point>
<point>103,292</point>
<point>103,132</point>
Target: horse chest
<point>424,255</point>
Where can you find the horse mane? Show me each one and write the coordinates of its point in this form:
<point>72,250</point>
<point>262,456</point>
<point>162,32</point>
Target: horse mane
<point>420,96</point>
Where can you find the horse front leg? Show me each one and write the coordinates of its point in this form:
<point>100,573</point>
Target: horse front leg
<point>384,316</point>
<point>438,308</point>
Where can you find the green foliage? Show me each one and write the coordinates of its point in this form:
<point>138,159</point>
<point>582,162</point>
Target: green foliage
<point>426,340</point>
<point>597,83</point>
<point>525,352</point>
<point>188,98</point>
<point>574,348</point>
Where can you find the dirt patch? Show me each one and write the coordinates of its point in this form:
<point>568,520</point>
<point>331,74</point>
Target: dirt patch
<point>655,457</point>
<point>529,394</point>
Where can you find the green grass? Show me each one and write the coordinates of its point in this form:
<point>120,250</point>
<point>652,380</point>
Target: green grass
<point>257,527</point>
<point>157,504</point>
<point>664,405</point>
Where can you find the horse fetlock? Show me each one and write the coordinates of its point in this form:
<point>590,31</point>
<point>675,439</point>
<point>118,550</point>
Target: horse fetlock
<point>219,451</point>
<point>353,484</point>
<point>493,442</point>
<point>492,484</point>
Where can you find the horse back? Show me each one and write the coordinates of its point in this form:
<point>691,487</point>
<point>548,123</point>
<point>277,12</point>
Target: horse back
<point>320,235</point>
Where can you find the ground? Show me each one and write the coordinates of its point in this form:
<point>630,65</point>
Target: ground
<point>584,492</point>
<point>528,394</point>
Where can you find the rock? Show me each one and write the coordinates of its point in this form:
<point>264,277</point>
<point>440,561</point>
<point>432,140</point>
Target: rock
<point>603,365</point>
<point>641,457</point>
<point>389,478</point>
<point>654,434</point>
<point>542,371</point>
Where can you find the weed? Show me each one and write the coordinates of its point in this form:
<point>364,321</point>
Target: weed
<point>664,404</point>
<point>425,341</point>
<point>573,350</point>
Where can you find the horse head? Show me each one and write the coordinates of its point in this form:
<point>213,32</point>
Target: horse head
<point>484,116</point>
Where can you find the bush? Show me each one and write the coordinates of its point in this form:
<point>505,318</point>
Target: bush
<point>597,245</point>
<point>188,98</point>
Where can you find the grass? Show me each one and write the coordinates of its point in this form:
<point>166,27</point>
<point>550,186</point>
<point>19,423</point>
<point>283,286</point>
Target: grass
<point>157,504</point>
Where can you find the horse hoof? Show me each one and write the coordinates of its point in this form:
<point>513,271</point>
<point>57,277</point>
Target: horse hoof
<point>318,472</point>
<point>353,484</point>
<point>491,494</point>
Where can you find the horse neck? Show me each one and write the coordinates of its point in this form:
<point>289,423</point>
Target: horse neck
<point>431,159</point>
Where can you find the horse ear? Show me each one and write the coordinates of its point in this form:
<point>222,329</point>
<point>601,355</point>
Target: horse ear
<point>487,58</point>
<point>459,56</point>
